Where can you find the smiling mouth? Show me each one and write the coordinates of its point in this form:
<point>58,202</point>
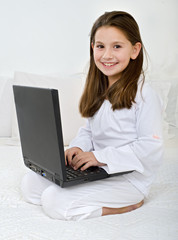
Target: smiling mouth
<point>109,64</point>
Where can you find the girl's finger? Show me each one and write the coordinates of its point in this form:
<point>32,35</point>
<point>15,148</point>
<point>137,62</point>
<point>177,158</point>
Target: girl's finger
<point>80,163</point>
<point>87,165</point>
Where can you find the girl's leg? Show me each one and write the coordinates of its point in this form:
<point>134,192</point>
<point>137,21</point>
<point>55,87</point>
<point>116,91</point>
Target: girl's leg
<point>109,196</point>
<point>32,187</point>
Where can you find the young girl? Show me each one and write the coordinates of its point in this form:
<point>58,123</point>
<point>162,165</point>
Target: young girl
<point>122,132</point>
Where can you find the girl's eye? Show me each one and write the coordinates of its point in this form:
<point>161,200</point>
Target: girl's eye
<point>117,46</point>
<point>99,46</point>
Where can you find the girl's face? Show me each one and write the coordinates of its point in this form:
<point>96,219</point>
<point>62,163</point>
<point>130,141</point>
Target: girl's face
<point>112,52</point>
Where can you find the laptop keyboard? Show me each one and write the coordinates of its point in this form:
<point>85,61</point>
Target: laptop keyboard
<point>74,174</point>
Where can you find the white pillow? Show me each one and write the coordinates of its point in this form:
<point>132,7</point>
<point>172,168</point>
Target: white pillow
<point>70,89</point>
<point>5,106</point>
<point>162,88</point>
<point>172,105</point>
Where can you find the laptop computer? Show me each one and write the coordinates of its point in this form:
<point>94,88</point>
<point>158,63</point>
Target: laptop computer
<point>40,128</point>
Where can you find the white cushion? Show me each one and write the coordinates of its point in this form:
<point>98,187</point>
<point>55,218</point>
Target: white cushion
<point>5,106</point>
<point>162,89</point>
<point>172,105</point>
<point>70,89</point>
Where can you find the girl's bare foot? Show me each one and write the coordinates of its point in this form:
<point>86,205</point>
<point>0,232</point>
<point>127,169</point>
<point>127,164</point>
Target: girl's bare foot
<point>110,211</point>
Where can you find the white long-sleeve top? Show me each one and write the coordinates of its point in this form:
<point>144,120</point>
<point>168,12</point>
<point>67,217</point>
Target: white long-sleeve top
<point>127,139</point>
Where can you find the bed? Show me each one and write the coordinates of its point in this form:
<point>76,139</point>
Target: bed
<point>156,219</point>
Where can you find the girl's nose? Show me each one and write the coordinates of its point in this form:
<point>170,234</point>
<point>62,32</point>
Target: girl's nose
<point>108,54</point>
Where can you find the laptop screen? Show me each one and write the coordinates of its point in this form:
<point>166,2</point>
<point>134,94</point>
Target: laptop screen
<point>40,129</point>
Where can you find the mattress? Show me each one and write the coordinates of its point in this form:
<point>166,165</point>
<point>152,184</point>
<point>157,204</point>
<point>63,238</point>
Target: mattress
<point>156,219</point>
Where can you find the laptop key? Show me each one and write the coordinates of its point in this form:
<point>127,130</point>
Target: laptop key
<point>73,174</point>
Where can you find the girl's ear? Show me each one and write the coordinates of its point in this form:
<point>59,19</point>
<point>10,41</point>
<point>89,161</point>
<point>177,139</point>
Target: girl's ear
<point>92,45</point>
<point>136,50</point>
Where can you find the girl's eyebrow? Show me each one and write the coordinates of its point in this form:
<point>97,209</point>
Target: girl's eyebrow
<point>115,42</point>
<point>98,42</point>
<point>118,42</point>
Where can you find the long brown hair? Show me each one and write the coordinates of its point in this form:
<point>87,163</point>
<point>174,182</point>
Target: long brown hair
<point>122,93</point>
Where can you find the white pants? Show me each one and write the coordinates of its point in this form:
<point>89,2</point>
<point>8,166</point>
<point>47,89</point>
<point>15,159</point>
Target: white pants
<point>80,201</point>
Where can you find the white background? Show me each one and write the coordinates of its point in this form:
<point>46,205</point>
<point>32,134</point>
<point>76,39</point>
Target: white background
<point>52,36</point>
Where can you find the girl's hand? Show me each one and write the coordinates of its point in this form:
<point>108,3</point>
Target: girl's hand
<point>85,160</point>
<point>70,153</point>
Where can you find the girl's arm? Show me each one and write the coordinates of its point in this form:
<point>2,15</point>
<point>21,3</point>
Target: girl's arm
<point>80,149</point>
<point>83,140</point>
<point>145,153</point>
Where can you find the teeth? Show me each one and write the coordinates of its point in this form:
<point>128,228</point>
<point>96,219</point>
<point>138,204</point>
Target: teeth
<point>109,64</point>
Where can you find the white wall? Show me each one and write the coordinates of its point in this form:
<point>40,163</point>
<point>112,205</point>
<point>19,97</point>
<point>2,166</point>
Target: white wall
<point>52,36</point>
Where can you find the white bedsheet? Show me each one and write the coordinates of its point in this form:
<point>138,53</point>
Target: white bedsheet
<point>156,219</point>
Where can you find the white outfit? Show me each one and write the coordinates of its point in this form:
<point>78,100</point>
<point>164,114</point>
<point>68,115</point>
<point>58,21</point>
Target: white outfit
<point>81,201</point>
<point>127,139</point>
